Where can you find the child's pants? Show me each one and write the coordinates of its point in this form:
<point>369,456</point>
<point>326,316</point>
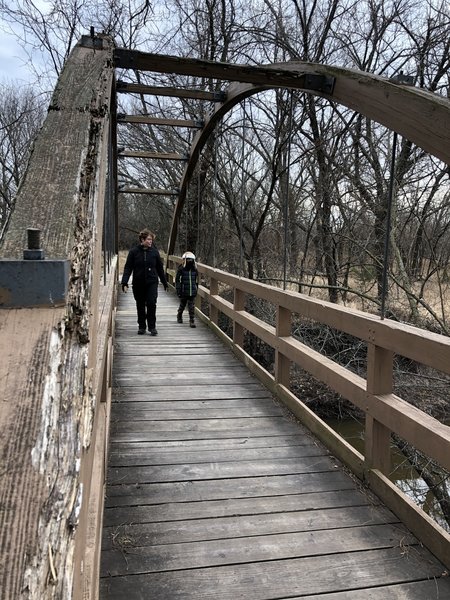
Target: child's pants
<point>189,300</point>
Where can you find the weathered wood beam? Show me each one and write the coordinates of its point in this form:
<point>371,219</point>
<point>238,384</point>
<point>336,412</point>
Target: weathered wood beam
<point>54,360</point>
<point>154,155</point>
<point>123,87</point>
<point>272,76</point>
<point>149,191</point>
<point>158,121</point>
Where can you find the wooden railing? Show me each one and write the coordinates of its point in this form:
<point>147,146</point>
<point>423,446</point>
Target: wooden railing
<point>385,413</point>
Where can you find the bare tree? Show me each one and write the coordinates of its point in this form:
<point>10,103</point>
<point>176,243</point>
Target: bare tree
<point>48,32</point>
<point>20,118</point>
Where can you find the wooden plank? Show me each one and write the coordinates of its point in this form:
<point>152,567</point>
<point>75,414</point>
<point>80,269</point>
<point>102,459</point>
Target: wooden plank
<point>165,348</point>
<point>223,470</point>
<point>143,456</point>
<point>236,374</point>
<point>194,555</point>
<point>147,404</point>
<point>252,389</point>
<point>194,433</point>
<point>158,414</point>
<point>209,366</point>
<point>251,525</point>
<point>230,507</point>
<point>230,443</point>
<point>209,428</point>
<point>135,363</point>
<point>281,578</point>
<point>250,487</point>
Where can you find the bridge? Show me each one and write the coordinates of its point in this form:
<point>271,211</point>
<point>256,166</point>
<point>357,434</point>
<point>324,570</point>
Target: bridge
<point>221,482</point>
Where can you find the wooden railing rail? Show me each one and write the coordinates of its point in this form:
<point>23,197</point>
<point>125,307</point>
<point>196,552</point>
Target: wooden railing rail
<point>385,412</point>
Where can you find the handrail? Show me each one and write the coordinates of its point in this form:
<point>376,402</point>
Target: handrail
<point>385,412</point>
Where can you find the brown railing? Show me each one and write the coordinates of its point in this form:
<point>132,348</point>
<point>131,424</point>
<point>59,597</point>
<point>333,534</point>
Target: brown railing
<point>385,413</point>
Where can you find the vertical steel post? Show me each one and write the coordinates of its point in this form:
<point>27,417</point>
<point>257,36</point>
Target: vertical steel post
<point>388,228</point>
<point>286,201</point>
<point>241,219</point>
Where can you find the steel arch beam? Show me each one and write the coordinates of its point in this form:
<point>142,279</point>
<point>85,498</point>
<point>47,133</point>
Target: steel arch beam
<point>420,116</point>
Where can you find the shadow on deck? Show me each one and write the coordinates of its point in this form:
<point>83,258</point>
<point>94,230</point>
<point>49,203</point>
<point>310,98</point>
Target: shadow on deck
<point>215,491</point>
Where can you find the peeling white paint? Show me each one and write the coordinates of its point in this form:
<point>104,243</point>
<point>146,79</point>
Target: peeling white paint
<point>50,405</point>
<point>77,506</point>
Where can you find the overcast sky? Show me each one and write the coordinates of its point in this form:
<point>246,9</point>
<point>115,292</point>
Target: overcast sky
<point>11,61</point>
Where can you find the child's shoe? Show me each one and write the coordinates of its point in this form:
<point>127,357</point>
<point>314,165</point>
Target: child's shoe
<point>179,318</point>
<point>192,324</point>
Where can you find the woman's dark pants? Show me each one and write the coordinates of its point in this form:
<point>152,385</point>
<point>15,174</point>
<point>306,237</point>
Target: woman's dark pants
<point>145,297</point>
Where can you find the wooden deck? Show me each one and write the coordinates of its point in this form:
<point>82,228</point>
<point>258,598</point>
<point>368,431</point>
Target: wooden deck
<point>215,491</point>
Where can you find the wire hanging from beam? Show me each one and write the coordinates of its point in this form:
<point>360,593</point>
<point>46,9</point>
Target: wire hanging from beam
<point>286,196</point>
<point>241,218</point>
<point>197,241</point>
<point>214,199</point>
<point>384,284</point>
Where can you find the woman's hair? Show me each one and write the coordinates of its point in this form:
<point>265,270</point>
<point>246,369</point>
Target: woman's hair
<point>145,233</point>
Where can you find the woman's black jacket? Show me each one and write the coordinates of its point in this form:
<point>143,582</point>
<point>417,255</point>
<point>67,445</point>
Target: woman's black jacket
<point>146,266</point>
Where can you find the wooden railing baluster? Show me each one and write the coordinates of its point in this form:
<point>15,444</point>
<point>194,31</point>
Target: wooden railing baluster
<point>282,362</point>
<point>238,330</point>
<point>379,381</point>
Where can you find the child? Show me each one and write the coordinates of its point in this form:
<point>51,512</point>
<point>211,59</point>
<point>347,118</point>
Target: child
<point>186,283</point>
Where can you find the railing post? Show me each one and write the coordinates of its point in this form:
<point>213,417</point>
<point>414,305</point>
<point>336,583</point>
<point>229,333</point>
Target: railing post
<point>168,266</point>
<point>213,310</point>
<point>238,330</point>
<point>379,381</point>
<point>282,363</point>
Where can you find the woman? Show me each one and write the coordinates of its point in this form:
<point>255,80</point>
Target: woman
<point>145,264</point>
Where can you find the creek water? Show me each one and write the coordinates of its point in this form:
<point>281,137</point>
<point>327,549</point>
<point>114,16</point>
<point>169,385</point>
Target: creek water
<point>402,473</point>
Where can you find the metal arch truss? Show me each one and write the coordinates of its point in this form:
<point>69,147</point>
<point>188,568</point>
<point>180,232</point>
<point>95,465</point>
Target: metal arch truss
<point>420,116</point>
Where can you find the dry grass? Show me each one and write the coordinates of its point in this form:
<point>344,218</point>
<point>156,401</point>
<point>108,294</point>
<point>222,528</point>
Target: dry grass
<point>122,258</point>
<point>433,302</point>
